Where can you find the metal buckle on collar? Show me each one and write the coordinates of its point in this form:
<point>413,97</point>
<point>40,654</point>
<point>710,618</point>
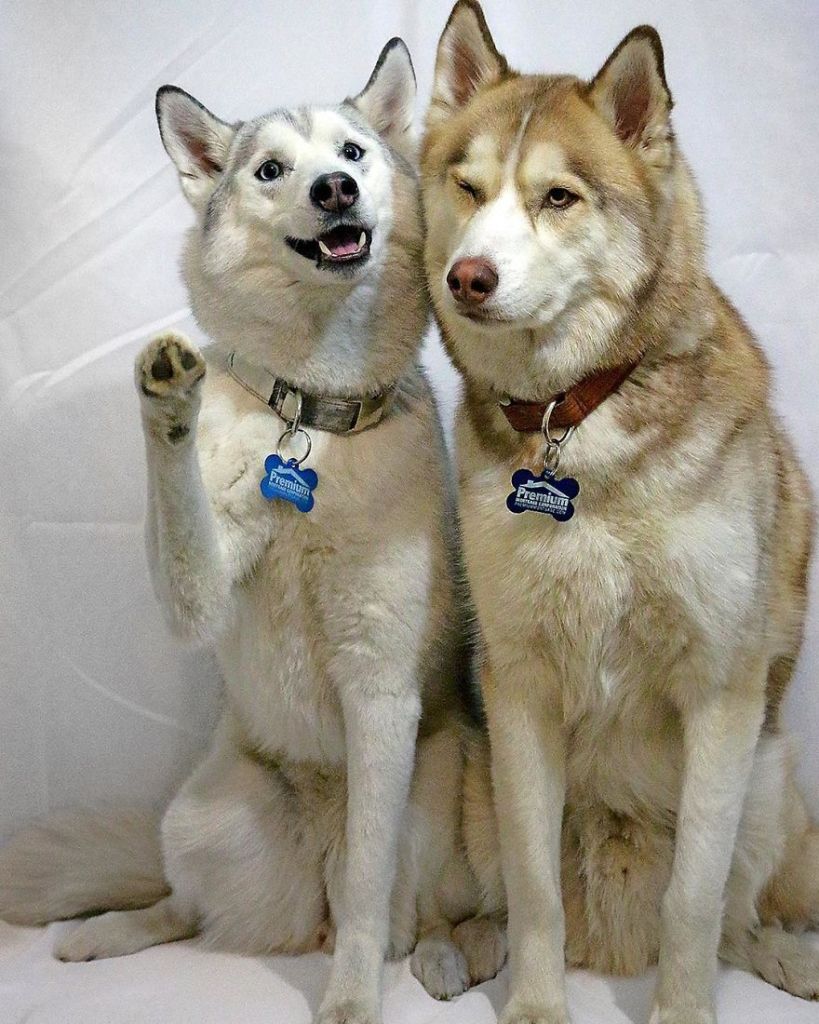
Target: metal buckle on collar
<point>289,406</point>
<point>369,412</point>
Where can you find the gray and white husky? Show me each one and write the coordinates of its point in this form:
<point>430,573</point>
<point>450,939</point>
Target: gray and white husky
<point>327,810</point>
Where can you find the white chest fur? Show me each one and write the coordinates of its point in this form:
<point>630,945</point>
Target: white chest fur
<point>608,613</point>
<point>351,575</point>
<point>274,659</point>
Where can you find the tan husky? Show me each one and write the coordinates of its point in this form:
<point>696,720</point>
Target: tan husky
<point>639,634</point>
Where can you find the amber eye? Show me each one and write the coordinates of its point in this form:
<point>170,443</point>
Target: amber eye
<point>560,198</point>
<point>470,190</point>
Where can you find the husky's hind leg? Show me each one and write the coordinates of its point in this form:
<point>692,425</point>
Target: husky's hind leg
<point>792,896</point>
<point>127,931</point>
<point>790,901</point>
<point>781,958</point>
<point>482,940</point>
<point>243,858</point>
<point>774,884</point>
<point>243,844</point>
<point>433,815</point>
<point>448,960</point>
<point>439,965</point>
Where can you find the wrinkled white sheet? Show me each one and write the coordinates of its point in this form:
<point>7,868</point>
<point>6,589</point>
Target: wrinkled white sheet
<point>96,702</point>
<point>179,984</point>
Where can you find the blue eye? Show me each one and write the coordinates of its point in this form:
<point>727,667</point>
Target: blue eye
<point>351,151</point>
<point>269,170</point>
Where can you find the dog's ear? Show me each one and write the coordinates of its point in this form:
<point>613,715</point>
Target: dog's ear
<point>196,140</point>
<point>387,101</point>
<point>467,61</point>
<point>631,92</point>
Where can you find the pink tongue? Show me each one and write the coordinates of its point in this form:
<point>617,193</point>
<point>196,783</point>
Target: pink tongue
<point>343,248</point>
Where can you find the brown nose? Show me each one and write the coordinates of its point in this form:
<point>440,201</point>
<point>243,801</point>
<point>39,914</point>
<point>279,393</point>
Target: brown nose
<point>472,281</point>
<point>334,192</point>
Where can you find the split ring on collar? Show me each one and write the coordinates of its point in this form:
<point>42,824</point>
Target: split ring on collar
<point>551,440</point>
<point>289,433</point>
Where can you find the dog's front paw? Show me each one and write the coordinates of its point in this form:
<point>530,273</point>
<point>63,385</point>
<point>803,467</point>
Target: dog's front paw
<point>683,1015</point>
<point>517,1012</point>
<point>169,371</point>
<point>348,1012</point>
<point>169,367</point>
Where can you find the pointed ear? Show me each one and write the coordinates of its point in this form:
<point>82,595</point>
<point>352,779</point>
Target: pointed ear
<point>387,101</point>
<point>631,92</point>
<point>196,140</point>
<point>467,61</point>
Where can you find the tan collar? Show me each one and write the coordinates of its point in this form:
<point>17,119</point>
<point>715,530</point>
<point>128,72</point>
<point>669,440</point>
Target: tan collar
<point>572,406</point>
<point>322,412</point>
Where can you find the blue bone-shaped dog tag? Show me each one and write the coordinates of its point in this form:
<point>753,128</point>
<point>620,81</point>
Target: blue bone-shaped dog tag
<point>286,481</point>
<point>543,494</point>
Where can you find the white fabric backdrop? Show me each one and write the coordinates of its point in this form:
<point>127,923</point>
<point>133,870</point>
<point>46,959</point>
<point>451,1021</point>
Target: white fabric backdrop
<point>96,703</point>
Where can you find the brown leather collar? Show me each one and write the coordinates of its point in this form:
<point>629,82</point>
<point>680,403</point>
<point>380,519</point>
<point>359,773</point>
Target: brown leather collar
<point>572,406</point>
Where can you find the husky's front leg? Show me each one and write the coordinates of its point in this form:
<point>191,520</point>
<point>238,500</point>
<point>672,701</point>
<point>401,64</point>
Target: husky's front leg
<point>185,561</point>
<point>721,731</point>
<point>380,731</point>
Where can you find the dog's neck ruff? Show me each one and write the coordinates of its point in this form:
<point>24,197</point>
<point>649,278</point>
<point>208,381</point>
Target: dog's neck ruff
<point>321,412</point>
<point>570,407</point>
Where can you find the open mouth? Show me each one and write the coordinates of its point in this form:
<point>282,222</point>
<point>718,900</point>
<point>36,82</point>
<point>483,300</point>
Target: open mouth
<point>348,243</point>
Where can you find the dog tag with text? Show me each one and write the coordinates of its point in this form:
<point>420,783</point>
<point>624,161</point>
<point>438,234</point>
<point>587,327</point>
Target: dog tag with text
<point>543,493</point>
<point>285,480</point>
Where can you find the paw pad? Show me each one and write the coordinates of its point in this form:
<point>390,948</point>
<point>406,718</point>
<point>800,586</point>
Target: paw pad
<point>169,365</point>
<point>162,367</point>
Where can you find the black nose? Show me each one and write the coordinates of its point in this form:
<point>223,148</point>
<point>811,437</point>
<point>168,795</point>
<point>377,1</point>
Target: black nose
<point>334,192</point>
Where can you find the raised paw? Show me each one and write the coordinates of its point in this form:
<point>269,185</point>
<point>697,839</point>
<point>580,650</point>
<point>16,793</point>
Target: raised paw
<point>440,967</point>
<point>348,1012</point>
<point>169,367</point>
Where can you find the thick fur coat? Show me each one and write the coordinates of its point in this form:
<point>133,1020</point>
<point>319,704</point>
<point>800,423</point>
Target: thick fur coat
<point>327,812</point>
<point>635,656</point>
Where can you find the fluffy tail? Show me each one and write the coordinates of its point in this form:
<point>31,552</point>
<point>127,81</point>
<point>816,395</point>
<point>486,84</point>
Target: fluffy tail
<point>81,863</point>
